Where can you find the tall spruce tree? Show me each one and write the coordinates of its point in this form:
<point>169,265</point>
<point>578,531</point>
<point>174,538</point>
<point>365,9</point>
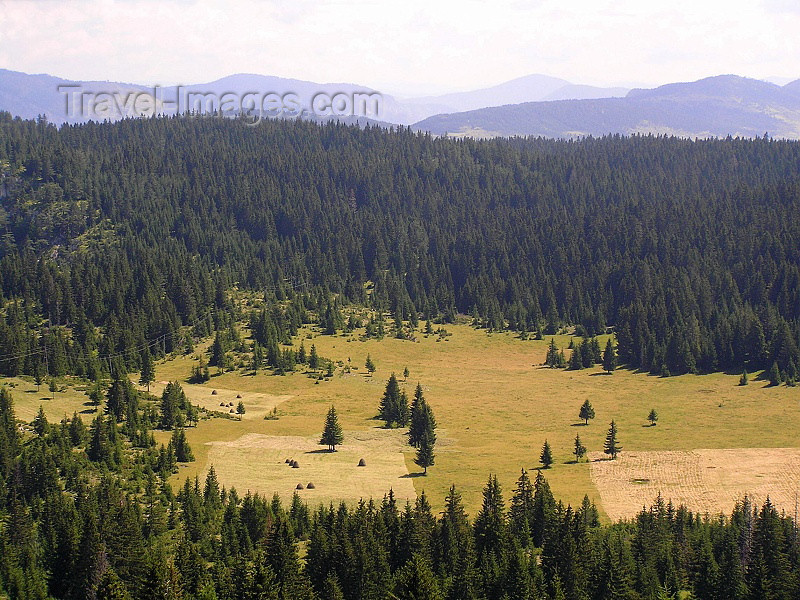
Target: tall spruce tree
<point>332,435</point>
<point>611,445</point>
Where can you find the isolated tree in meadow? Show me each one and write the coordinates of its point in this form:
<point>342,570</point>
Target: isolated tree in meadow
<point>611,445</point>
<point>422,420</point>
<point>406,373</point>
<point>586,412</point>
<point>148,372</point>
<point>425,456</point>
<point>393,408</point>
<point>332,435</point>
<point>53,387</point>
<point>652,417</point>
<point>580,449</point>
<point>313,359</point>
<point>546,457</point>
<point>743,379</point>
<point>609,357</point>
<point>369,364</point>
<point>240,410</point>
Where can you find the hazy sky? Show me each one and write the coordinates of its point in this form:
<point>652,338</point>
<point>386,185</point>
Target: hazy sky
<point>411,46</point>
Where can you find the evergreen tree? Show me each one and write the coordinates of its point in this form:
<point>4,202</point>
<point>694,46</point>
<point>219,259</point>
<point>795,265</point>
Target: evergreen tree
<point>313,360</point>
<point>425,456</point>
<point>490,524</point>
<point>393,409</point>
<point>586,412</point>
<point>743,379</point>
<point>609,357</point>
<point>611,445</point>
<point>652,417</point>
<point>180,445</point>
<point>332,434</point>
<point>370,366</point>
<point>579,450</point>
<point>422,419</point>
<point>546,457</point>
<point>148,371</point>
<point>774,374</point>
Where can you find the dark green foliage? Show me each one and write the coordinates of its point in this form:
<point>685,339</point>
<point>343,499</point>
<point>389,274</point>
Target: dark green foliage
<point>174,406</point>
<point>422,419</point>
<point>147,373</point>
<point>743,380</point>
<point>183,452</point>
<point>332,435</point>
<point>579,449</point>
<point>586,412</point>
<point>774,374</point>
<point>393,409</point>
<point>684,294</point>
<point>652,417</point>
<point>555,357</point>
<point>546,457</point>
<point>609,357</point>
<point>370,366</point>
<point>611,445</point>
<point>425,456</point>
<point>118,532</point>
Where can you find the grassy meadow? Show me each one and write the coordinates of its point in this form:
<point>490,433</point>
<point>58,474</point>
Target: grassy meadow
<point>494,402</point>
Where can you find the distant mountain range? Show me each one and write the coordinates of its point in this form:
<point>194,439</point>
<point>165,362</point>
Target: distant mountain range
<point>536,105</point>
<point>711,107</point>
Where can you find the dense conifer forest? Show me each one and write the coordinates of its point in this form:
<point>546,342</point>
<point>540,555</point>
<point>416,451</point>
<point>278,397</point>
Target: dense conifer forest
<point>122,242</point>
<point>117,234</point>
<point>91,514</point>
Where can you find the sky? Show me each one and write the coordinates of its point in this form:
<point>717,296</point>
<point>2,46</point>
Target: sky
<point>412,47</point>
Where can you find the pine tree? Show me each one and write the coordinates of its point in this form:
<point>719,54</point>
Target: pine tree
<point>580,449</point>
<point>370,366</point>
<point>393,409</point>
<point>774,374</point>
<point>586,412</point>
<point>148,371</point>
<point>653,417</point>
<point>743,379</point>
<point>611,446</point>
<point>546,457</point>
<point>183,452</point>
<point>425,456</point>
<point>313,359</point>
<point>422,420</point>
<point>240,409</point>
<point>555,357</point>
<point>609,357</point>
<point>40,424</point>
<point>332,435</point>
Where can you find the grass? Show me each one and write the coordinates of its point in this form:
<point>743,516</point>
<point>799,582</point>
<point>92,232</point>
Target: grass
<point>495,405</point>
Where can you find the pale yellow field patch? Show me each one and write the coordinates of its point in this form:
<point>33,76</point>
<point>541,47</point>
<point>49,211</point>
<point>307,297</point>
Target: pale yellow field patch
<point>257,404</point>
<point>257,462</point>
<point>69,400</point>
<point>705,481</point>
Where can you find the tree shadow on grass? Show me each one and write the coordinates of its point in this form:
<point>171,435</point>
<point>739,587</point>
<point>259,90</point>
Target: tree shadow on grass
<point>579,424</point>
<point>320,451</point>
<point>412,475</point>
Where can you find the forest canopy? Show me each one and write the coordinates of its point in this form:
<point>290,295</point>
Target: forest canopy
<point>115,234</point>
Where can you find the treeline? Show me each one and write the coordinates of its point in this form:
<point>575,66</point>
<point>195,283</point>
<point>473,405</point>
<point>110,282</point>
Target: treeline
<point>124,232</point>
<point>78,526</point>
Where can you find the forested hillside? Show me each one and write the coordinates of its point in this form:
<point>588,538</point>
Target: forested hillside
<point>117,234</point>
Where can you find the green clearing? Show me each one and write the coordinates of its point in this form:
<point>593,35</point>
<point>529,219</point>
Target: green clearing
<point>495,405</point>
<point>494,402</point>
